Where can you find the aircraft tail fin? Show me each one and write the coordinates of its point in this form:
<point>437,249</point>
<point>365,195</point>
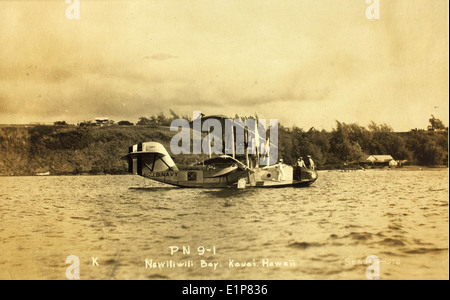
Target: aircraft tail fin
<point>149,156</point>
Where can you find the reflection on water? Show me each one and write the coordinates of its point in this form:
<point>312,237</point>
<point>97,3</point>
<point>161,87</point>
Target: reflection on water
<point>322,232</point>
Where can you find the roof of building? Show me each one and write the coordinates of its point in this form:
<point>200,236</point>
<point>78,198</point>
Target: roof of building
<point>377,158</point>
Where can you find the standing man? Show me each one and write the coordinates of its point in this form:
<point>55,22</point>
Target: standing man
<point>311,163</point>
<point>301,163</point>
<point>280,166</point>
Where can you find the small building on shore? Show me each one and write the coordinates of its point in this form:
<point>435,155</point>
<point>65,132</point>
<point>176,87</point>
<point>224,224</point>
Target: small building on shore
<point>378,161</point>
<point>101,121</point>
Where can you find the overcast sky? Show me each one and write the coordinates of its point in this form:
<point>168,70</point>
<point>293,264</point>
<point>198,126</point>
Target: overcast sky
<point>304,62</point>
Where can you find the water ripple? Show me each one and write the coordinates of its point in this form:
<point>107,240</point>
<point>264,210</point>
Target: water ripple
<point>322,232</point>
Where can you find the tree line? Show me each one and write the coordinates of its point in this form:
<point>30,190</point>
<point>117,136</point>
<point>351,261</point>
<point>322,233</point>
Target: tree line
<point>346,144</point>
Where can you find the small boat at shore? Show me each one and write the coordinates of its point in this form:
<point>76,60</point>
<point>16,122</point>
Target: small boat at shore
<point>43,174</point>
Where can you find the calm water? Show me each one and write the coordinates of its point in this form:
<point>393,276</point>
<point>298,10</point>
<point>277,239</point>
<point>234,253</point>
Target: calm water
<point>322,232</point>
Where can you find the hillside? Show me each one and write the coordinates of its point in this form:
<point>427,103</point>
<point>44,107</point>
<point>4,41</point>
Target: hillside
<point>73,150</point>
<point>27,150</point>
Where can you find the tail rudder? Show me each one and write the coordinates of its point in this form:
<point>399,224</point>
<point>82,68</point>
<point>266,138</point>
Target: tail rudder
<point>149,157</point>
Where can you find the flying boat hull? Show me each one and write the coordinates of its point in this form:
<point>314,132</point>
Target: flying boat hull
<point>152,161</point>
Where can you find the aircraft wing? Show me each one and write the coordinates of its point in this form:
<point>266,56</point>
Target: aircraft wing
<point>223,161</point>
<point>222,166</point>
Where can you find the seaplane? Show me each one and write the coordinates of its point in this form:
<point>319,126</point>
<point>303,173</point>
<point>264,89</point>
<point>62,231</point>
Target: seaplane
<point>245,165</point>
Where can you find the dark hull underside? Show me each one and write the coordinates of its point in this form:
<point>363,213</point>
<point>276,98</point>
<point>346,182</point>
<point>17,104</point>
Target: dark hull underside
<point>295,184</point>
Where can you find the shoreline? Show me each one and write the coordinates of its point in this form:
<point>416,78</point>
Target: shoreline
<point>404,168</point>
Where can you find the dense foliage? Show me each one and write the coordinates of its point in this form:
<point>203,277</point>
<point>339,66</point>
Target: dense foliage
<point>70,149</point>
<point>348,143</point>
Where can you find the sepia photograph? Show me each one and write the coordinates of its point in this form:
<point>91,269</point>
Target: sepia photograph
<point>213,140</point>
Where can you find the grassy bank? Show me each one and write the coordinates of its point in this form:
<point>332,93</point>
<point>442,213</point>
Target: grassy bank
<point>28,150</point>
<point>72,150</point>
